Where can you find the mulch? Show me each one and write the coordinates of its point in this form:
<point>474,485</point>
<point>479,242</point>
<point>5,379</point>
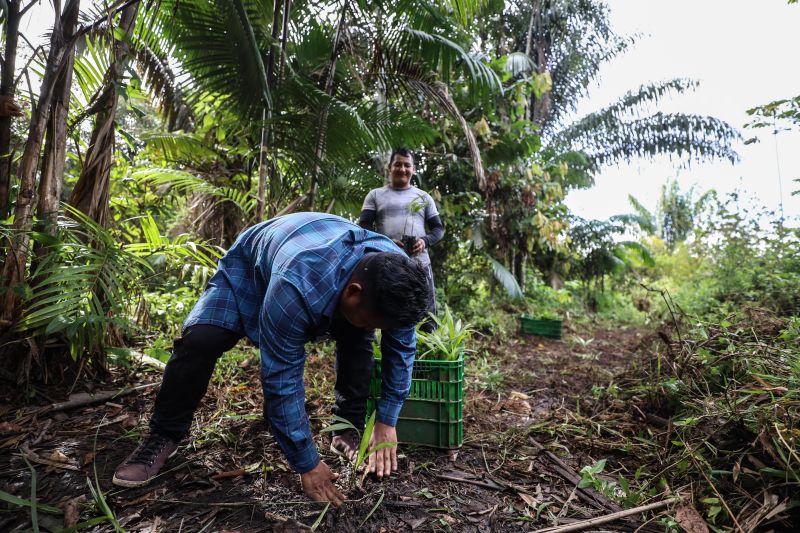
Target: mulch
<point>230,475</point>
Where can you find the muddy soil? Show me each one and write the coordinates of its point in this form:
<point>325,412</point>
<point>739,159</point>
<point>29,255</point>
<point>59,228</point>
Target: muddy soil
<point>510,474</point>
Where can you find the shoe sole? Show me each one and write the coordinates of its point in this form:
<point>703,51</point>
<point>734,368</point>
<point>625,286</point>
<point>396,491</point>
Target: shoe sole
<point>129,483</point>
<point>340,453</point>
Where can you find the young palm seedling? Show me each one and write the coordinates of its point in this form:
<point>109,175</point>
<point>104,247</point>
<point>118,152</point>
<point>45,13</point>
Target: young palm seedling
<point>364,451</point>
<point>414,208</point>
<point>448,342</point>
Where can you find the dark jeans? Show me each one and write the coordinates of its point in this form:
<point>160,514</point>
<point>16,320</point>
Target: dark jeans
<point>427,325</point>
<point>192,363</point>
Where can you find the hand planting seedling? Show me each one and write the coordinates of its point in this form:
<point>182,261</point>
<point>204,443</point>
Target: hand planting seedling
<point>367,447</point>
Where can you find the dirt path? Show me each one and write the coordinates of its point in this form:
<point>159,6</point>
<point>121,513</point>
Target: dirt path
<point>230,476</point>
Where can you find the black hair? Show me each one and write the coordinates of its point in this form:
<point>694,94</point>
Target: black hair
<point>405,152</point>
<point>395,288</point>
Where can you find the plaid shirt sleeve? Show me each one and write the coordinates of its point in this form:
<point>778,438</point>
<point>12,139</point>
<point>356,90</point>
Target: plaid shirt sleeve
<point>283,324</point>
<point>398,349</point>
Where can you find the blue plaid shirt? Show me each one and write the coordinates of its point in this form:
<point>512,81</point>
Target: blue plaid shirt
<point>279,285</point>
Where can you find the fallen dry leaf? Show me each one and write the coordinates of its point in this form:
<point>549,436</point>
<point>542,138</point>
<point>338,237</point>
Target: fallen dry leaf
<point>516,395</point>
<point>517,406</point>
<point>531,501</point>
<point>58,457</point>
<point>72,510</point>
<point>690,520</point>
<point>130,421</point>
<point>231,473</point>
<point>88,458</point>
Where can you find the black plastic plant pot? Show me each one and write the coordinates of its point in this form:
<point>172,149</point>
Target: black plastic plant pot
<point>408,243</point>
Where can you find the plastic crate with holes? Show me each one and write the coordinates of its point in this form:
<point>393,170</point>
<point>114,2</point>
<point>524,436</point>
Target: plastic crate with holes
<point>542,327</point>
<point>432,415</point>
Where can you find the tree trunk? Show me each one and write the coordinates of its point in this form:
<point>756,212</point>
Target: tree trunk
<point>520,259</point>
<point>261,198</point>
<point>55,149</point>
<point>319,152</point>
<point>14,269</point>
<point>8,65</point>
<point>541,107</point>
<point>266,170</point>
<point>91,193</point>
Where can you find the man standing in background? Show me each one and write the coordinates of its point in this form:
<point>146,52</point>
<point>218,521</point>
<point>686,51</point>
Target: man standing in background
<point>400,209</point>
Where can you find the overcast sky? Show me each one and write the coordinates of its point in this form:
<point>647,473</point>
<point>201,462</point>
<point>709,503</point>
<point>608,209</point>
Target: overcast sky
<point>743,53</point>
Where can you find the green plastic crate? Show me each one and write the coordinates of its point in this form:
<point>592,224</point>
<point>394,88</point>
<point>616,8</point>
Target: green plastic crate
<point>432,415</point>
<point>542,327</point>
<point>430,380</point>
<point>428,423</point>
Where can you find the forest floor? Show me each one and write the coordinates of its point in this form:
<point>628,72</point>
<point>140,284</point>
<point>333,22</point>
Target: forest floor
<point>528,402</point>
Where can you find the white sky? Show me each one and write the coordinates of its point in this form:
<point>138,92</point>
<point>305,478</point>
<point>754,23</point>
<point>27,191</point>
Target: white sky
<point>744,53</point>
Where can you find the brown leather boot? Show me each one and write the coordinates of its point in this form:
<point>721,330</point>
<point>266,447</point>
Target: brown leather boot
<point>346,444</point>
<point>145,461</point>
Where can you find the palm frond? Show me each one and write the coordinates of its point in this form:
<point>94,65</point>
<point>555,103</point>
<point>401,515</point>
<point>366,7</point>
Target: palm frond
<point>186,183</point>
<point>505,278</point>
<point>84,283</point>
<point>179,147</point>
<point>607,139</point>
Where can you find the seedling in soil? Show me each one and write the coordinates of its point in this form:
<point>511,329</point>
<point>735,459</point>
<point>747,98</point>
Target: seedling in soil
<point>364,451</point>
<point>415,207</point>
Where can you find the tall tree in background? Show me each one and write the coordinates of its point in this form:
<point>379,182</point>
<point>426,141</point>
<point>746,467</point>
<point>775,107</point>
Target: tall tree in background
<point>572,39</point>
<point>90,194</point>
<point>16,264</point>
<point>569,40</point>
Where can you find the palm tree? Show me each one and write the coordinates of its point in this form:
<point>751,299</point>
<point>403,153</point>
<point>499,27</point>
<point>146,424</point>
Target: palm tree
<point>571,39</point>
<point>350,85</point>
<point>567,41</point>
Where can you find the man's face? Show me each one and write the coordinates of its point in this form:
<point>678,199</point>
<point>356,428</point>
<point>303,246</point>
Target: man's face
<point>362,319</point>
<point>354,310</point>
<point>400,171</point>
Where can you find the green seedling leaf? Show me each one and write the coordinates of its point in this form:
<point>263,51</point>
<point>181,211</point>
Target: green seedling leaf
<point>374,508</point>
<point>425,493</point>
<point>381,446</point>
<point>318,521</point>
<point>362,447</point>
<point>336,427</point>
<point>14,500</point>
<point>83,525</point>
<point>34,506</point>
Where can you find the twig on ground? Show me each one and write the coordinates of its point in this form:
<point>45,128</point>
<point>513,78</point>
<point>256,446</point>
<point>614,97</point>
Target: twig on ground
<point>83,400</point>
<point>588,495</point>
<point>484,484</point>
<point>584,524</point>
<point>35,458</point>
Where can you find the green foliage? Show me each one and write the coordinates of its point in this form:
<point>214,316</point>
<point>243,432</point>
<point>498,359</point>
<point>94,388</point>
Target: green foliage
<point>88,280</point>
<point>448,342</point>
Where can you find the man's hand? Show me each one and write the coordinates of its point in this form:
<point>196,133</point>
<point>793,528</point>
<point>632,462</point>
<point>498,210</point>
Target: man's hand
<point>8,107</point>
<point>318,485</point>
<point>399,243</point>
<point>419,246</point>
<point>384,461</point>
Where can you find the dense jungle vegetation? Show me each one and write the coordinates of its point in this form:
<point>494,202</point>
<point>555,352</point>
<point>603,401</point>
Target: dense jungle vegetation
<point>152,132</point>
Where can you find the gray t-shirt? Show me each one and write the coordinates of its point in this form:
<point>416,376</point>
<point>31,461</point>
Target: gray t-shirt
<point>393,217</point>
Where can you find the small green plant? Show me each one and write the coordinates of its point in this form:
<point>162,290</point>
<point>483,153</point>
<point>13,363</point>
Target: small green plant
<point>448,342</point>
<point>364,451</point>
<point>580,341</point>
<point>414,207</point>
